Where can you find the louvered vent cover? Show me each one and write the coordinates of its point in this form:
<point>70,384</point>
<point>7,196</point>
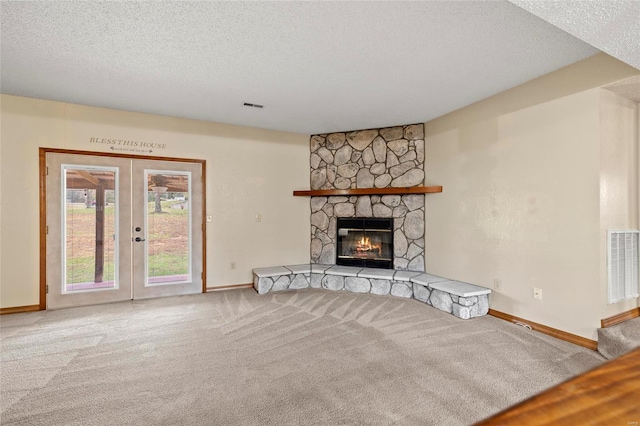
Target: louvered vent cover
<point>623,265</point>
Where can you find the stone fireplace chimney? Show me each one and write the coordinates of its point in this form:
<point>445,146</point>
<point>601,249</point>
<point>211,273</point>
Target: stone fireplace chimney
<point>390,157</point>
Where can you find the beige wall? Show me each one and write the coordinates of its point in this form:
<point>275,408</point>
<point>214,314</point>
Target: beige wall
<point>532,179</point>
<point>618,182</point>
<point>521,203</point>
<point>249,171</point>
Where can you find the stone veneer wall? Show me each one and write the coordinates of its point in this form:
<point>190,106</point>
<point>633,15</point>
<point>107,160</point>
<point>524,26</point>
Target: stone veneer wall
<point>391,157</point>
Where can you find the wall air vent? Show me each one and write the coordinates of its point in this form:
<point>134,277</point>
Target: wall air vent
<point>253,105</point>
<point>624,262</point>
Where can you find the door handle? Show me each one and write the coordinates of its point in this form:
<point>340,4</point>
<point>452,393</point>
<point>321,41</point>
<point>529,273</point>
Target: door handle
<point>138,239</point>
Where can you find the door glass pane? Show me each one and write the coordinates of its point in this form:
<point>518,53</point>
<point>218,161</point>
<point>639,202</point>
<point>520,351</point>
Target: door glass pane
<point>90,246</point>
<point>168,228</point>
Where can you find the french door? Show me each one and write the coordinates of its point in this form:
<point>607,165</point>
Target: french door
<point>121,229</point>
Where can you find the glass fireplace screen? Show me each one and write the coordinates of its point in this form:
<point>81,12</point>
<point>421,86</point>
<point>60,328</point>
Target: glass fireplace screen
<point>365,242</point>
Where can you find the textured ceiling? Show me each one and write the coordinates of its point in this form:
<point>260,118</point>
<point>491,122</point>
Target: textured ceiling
<point>612,26</point>
<point>315,66</point>
<point>628,88</point>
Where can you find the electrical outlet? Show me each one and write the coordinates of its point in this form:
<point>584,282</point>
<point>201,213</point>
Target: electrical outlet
<point>233,265</point>
<point>497,284</point>
<point>537,293</point>
<point>258,217</point>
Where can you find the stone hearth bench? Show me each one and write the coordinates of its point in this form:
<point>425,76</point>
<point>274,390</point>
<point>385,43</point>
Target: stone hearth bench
<point>458,298</point>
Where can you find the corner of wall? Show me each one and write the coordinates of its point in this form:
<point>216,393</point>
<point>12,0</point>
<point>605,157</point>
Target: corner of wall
<point>619,123</point>
<point>521,198</point>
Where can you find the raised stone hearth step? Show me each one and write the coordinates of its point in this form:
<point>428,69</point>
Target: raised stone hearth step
<point>271,271</point>
<point>405,275</point>
<point>278,278</point>
<point>460,289</point>
<point>318,268</point>
<point>305,268</point>
<point>377,273</point>
<point>427,279</point>
<point>461,299</point>
<point>345,271</point>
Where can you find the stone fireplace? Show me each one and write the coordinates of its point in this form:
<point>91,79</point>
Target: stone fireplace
<point>376,158</point>
<point>367,205</point>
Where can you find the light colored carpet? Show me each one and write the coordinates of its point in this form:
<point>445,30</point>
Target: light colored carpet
<point>311,357</point>
<point>619,339</point>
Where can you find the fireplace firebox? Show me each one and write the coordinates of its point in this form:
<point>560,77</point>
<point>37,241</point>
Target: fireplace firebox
<point>365,242</point>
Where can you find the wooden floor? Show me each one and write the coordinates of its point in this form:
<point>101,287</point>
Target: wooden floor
<point>606,395</point>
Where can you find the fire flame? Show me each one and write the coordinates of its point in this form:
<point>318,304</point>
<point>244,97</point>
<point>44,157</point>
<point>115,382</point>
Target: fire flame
<point>364,246</point>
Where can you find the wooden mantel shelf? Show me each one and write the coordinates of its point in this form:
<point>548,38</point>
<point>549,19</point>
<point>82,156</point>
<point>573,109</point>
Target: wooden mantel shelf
<point>369,191</point>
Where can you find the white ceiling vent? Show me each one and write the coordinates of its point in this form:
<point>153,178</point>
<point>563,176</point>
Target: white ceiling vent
<point>624,263</point>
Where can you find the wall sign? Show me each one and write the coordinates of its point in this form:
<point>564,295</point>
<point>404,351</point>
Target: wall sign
<point>123,145</point>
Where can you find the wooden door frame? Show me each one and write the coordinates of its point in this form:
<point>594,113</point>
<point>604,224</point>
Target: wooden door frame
<point>42,157</point>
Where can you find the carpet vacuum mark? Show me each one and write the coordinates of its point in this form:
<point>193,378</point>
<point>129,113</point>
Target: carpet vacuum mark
<point>308,357</point>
